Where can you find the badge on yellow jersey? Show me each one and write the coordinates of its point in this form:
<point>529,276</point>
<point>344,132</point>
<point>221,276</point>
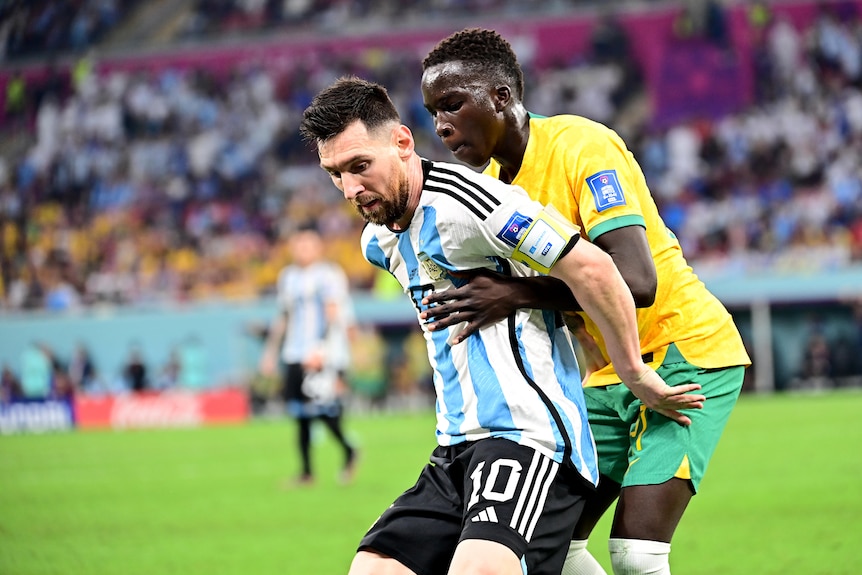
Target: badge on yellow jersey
<point>606,190</point>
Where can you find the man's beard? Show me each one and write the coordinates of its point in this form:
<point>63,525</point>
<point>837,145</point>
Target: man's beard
<point>389,212</point>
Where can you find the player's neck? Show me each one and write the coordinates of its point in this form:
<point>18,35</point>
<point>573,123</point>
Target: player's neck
<point>510,154</point>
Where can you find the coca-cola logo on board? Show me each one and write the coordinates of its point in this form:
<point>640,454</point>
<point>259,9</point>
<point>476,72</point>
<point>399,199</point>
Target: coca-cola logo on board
<point>165,410</point>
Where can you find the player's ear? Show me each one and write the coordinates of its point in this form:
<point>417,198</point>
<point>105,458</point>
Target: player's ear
<point>502,97</point>
<point>404,140</point>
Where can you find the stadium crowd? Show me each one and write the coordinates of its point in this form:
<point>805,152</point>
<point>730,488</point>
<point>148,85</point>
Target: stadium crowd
<point>176,186</point>
<point>46,28</point>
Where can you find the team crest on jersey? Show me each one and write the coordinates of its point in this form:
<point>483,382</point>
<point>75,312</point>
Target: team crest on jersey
<point>434,271</point>
<point>606,190</point>
<point>514,229</point>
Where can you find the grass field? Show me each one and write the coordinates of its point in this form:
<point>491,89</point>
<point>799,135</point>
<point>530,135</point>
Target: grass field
<point>783,496</point>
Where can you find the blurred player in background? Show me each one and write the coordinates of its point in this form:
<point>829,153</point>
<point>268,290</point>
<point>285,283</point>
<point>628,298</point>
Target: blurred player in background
<point>516,459</point>
<point>310,337</point>
<point>473,87</point>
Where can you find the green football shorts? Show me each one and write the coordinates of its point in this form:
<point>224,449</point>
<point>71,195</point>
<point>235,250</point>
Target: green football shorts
<point>637,446</point>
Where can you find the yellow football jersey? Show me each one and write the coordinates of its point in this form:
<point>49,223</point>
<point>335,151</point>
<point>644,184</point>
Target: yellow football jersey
<point>585,170</point>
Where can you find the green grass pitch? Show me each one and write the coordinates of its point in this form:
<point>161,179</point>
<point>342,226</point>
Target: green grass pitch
<point>782,496</point>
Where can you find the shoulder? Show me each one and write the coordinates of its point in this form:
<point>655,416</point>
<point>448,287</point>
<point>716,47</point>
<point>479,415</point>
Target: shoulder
<point>587,129</point>
<point>463,187</point>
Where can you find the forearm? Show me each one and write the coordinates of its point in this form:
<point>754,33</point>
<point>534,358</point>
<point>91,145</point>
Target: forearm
<point>275,334</point>
<point>542,292</point>
<point>598,286</point>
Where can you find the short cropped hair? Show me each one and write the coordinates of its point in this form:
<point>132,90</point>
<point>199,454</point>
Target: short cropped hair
<point>484,49</point>
<point>347,100</point>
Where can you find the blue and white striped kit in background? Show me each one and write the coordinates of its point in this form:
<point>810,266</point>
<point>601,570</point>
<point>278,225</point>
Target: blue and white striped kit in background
<point>517,379</point>
<point>303,293</point>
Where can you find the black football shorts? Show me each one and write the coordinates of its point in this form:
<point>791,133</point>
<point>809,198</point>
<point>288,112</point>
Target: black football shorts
<point>493,489</point>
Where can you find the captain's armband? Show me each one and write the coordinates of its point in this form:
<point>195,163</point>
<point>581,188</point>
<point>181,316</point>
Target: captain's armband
<point>548,237</point>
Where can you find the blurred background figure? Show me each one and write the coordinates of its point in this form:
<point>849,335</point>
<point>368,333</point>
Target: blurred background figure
<point>310,339</point>
<point>135,374</point>
<point>82,370</point>
<point>10,385</point>
<point>36,372</point>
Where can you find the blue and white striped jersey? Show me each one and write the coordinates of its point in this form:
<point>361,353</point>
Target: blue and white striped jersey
<point>303,294</point>
<point>517,379</point>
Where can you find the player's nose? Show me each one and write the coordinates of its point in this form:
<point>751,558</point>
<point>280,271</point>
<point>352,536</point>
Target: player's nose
<point>443,128</point>
<point>351,186</point>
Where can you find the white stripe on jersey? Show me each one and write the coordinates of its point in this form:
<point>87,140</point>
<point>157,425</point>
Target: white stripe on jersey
<point>518,378</point>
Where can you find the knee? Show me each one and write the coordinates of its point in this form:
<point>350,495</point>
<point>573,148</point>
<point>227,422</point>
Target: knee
<point>638,556</point>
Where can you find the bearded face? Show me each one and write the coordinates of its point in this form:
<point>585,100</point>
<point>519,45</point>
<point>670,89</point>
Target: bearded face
<point>388,207</point>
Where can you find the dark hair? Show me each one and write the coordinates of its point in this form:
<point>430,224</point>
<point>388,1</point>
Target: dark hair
<point>485,50</point>
<point>347,100</point>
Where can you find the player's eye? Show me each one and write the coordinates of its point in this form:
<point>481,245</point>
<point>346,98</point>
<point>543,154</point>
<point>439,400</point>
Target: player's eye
<point>453,106</point>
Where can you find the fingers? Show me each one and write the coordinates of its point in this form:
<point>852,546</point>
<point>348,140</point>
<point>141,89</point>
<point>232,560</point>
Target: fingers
<point>449,295</point>
<point>437,312</point>
<point>466,332</point>
<point>676,416</point>
<point>438,323</point>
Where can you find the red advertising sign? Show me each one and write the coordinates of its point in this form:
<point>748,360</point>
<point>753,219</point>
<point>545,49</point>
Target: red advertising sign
<point>162,409</point>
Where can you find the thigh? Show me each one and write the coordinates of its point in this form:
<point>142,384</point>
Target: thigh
<point>422,526</point>
<point>611,413</point>
<point>372,563</point>
<point>661,449</point>
<point>480,556</point>
<point>523,501</point>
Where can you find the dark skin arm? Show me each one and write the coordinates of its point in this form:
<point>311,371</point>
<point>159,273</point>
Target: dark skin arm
<point>489,297</point>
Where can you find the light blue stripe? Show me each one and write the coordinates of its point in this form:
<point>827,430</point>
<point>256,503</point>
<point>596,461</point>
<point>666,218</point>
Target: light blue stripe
<point>429,242</point>
<point>375,255</point>
<point>492,411</point>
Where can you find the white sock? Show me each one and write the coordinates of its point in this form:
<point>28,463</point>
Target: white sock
<point>639,557</point>
<point>579,561</point>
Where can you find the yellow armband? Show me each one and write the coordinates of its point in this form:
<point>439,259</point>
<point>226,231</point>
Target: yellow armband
<point>549,236</point>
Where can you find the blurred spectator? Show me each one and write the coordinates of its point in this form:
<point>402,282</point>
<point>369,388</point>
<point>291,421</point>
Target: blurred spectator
<point>47,27</point>
<point>193,364</point>
<point>135,373</point>
<point>169,374</point>
<point>10,385</point>
<point>36,372</point>
<point>82,370</point>
<point>703,19</point>
<point>15,107</point>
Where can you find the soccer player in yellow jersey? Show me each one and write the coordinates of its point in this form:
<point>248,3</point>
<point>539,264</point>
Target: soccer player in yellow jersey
<point>653,461</point>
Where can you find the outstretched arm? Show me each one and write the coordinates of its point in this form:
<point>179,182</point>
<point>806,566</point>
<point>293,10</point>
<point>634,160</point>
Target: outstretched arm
<point>597,284</point>
<point>268,364</point>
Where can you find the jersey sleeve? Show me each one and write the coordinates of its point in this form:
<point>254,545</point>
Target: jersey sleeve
<point>609,186</point>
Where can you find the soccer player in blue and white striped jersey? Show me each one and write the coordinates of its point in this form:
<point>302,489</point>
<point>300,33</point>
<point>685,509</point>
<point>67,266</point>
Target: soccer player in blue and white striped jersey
<point>310,339</point>
<point>516,458</point>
